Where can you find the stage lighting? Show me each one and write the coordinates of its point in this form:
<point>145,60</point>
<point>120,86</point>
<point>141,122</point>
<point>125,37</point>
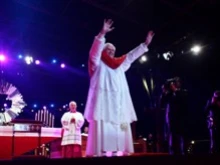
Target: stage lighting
<point>51,105</point>
<point>20,56</point>
<point>37,62</point>
<point>54,61</point>
<point>168,55</point>
<point>35,105</point>
<point>2,57</point>
<point>143,59</point>
<point>62,66</point>
<point>28,60</point>
<point>196,49</point>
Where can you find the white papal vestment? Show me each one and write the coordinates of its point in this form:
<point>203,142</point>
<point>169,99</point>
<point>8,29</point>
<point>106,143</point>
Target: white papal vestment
<point>109,108</point>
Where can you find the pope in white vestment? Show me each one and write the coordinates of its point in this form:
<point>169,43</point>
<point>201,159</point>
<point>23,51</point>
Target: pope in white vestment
<point>109,108</point>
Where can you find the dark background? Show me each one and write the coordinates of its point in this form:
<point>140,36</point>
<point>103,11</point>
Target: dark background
<point>64,29</point>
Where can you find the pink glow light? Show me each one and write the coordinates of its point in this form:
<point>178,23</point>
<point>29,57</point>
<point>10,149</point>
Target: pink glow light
<point>62,65</point>
<point>37,62</point>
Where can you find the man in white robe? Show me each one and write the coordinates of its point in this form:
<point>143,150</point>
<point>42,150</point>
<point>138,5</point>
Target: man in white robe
<point>72,122</point>
<point>109,108</point>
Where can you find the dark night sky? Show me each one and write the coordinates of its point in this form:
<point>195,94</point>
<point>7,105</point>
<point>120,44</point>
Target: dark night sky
<point>64,29</point>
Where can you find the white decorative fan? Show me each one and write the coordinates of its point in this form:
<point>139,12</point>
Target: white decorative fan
<point>17,102</point>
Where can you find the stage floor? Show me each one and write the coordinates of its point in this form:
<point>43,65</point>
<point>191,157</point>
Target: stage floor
<point>136,159</point>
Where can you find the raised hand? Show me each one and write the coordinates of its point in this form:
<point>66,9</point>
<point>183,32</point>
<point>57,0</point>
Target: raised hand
<point>107,26</point>
<point>149,37</point>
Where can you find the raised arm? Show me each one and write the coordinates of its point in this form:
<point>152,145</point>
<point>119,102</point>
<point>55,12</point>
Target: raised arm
<point>138,51</point>
<point>98,45</point>
<point>96,49</point>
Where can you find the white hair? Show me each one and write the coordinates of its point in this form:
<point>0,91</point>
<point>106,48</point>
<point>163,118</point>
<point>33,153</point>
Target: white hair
<point>72,102</point>
<point>108,44</point>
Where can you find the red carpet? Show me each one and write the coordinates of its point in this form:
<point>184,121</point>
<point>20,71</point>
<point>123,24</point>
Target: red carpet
<point>22,145</point>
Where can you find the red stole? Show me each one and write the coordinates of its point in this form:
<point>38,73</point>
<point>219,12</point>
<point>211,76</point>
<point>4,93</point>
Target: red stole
<point>112,62</point>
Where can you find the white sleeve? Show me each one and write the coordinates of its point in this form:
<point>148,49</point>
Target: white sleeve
<point>64,121</point>
<point>79,121</point>
<point>96,51</point>
<point>133,55</point>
